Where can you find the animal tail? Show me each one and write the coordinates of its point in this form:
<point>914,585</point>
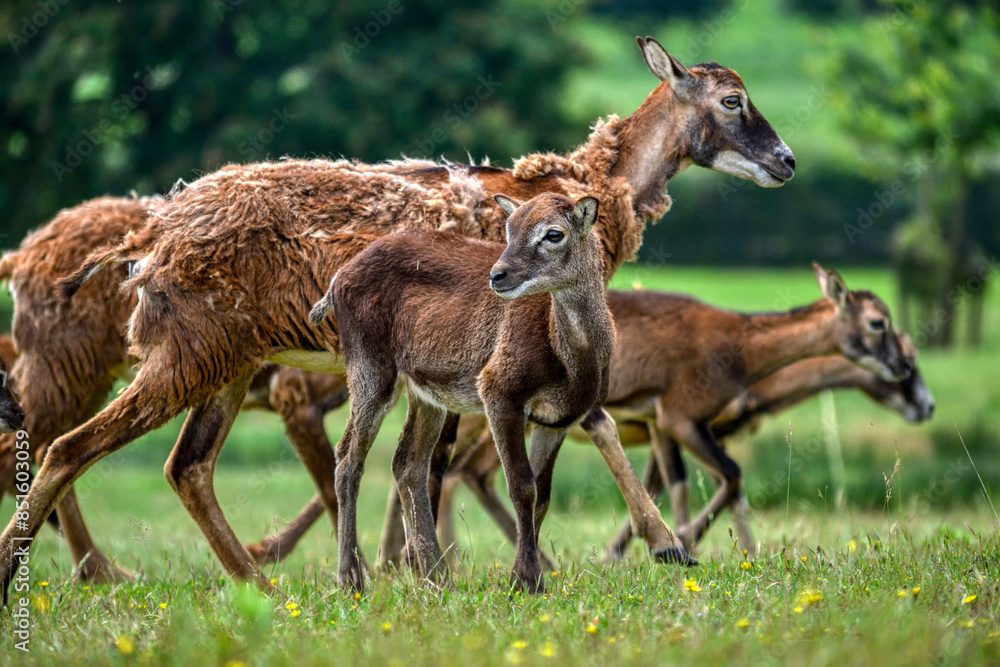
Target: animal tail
<point>323,306</point>
<point>94,264</point>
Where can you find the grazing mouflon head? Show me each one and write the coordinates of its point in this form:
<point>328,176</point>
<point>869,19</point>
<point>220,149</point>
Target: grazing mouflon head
<point>11,414</point>
<point>723,130</point>
<point>864,333</point>
<point>911,397</point>
<point>548,245</point>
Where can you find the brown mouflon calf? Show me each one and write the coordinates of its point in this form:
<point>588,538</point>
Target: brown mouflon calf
<point>414,309</point>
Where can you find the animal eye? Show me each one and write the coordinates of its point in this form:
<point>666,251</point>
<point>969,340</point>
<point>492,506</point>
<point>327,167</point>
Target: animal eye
<point>878,326</point>
<point>731,102</point>
<point>554,236</point>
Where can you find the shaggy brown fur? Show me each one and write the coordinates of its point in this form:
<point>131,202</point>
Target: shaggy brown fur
<point>415,308</point>
<point>72,352</point>
<point>229,267</point>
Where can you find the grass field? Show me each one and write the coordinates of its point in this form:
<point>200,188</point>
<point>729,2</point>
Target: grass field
<point>901,578</point>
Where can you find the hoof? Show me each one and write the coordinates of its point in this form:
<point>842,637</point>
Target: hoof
<point>675,556</point>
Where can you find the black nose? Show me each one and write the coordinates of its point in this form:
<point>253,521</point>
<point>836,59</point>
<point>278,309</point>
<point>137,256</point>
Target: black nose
<point>789,160</point>
<point>497,277</point>
<point>930,410</point>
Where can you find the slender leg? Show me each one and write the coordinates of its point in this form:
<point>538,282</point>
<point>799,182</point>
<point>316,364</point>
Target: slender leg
<point>276,547</point>
<point>411,467</point>
<point>667,453</point>
<point>507,423</point>
<point>545,445</point>
<point>390,550</point>
<point>93,563</point>
<point>699,440</point>
<point>303,399</point>
<point>653,482</point>
<point>645,516</point>
<point>139,409</point>
<point>191,467</point>
<point>374,395</point>
<point>392,547</point>
<point>445,522</point>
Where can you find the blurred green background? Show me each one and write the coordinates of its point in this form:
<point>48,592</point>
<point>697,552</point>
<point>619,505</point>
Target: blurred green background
<point>892,110</point>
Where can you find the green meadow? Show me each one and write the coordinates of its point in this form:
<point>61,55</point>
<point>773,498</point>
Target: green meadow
<point>854,570</point>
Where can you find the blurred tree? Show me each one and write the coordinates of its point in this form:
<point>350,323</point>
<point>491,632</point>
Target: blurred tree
<point>102,97</point>
<point>921,94</point>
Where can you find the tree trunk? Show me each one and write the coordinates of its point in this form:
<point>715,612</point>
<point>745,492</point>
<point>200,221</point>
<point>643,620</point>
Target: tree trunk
<point>952,292</point>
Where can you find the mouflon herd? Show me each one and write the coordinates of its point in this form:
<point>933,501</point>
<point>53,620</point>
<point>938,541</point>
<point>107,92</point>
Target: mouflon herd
<point>479,292</point>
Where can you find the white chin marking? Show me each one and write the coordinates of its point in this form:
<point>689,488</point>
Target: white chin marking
<point>520,290</point>
<point>731,162</point>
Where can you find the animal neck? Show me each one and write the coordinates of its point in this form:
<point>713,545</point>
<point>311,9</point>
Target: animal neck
<point>772,341</point>
<point>580,327</point>
<point>652,148</point>
<point>801,381</point>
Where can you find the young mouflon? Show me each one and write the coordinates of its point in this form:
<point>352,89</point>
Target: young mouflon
<point>421,309</point>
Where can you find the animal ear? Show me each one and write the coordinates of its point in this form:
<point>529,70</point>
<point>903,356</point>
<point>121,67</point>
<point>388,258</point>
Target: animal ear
<point>506,203</point>
<point>664,65</point>
<point>832,286</point>
<point>585,213</point>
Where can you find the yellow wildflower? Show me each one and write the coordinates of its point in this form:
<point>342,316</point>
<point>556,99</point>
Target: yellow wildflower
<point>743,623</point>
<point>387,627</point>
<point>291,605</point>
<point>544,618</point>
<point>966,624</point>
<point>548,650</point>
<point>163,605</point>
<point>592,629</point>
<point>43,584</point>
<point>357,596</point>
<point>809,596</point>
<point>126,646</point>
<point>916,591</point>
<point>296,613</point>
<point>274,582</point>
<point>852,546</point>
<point>520,644</point>
<point>42,603</point>
<point>969,599</point>
<point>798,610</point>
<point>804,559</point>
<point>692,586</point>
<point>902,594</point>
<point>746,566</point>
